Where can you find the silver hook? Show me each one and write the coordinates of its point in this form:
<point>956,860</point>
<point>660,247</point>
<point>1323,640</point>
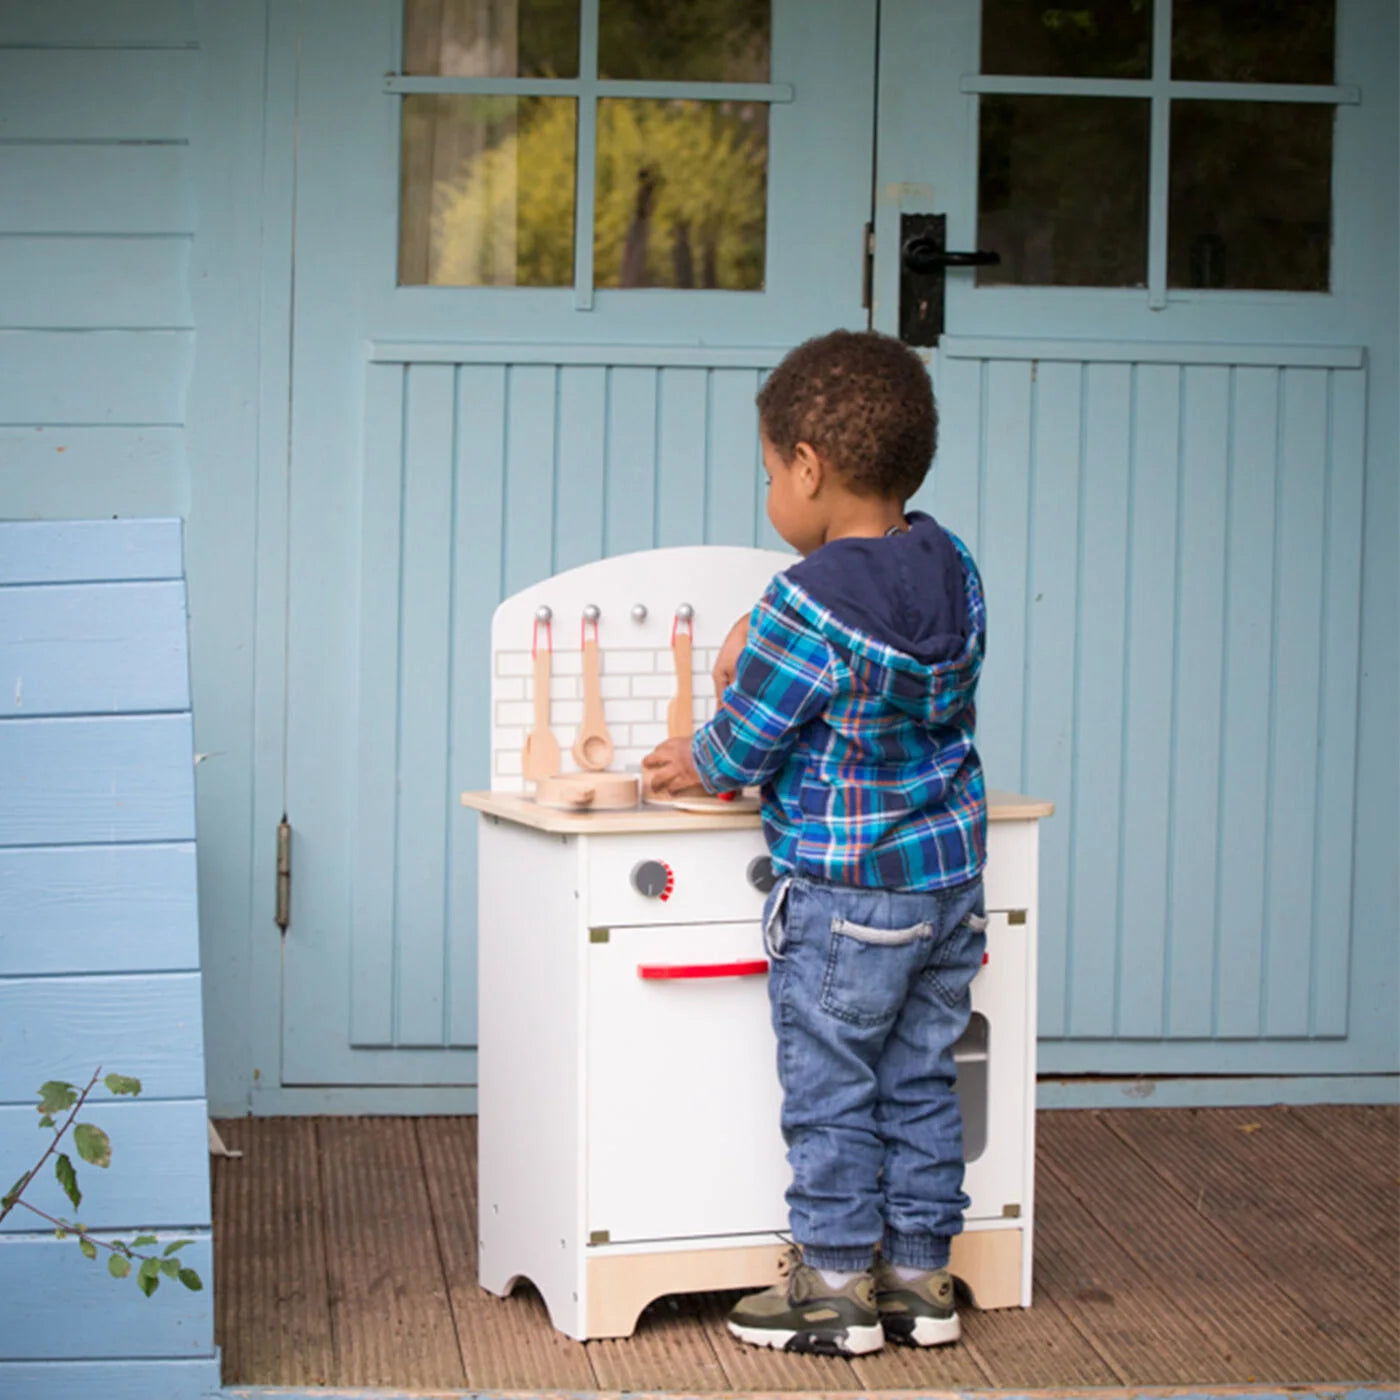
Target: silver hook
<point>590,613</point>
<point>685,612</point>
<point>544,613</point>
<point>639,612</point>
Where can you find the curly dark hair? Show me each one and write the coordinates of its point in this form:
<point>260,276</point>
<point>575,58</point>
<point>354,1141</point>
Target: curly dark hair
<point>864,403</point>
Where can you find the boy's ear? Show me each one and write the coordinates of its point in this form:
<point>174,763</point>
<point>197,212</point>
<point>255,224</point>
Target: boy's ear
<point>809,468</point>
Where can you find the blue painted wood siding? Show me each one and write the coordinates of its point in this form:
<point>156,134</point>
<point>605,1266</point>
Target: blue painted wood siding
<point>481,478</point>
<point>99,946</point>
<point>1172,557</point>
<point>1171,552</point>
<point>96,225</point>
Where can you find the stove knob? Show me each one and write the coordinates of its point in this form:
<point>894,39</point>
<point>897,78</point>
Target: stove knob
<point>761,875</point>
<point>651,878</point>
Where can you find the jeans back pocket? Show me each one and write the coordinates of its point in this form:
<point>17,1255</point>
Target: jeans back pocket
<point>868,970</point>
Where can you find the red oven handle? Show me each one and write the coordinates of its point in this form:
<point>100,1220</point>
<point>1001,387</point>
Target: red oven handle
<point>676,972</point>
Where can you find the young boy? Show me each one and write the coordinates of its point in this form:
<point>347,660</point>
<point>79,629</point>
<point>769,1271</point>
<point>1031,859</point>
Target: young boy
<point>849,696</point>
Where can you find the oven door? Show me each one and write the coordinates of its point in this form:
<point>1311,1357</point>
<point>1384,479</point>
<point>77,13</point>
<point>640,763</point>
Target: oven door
<point>683,1098</point>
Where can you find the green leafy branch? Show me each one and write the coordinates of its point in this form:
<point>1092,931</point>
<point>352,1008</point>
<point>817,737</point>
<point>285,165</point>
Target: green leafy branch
<point>95,1147</point>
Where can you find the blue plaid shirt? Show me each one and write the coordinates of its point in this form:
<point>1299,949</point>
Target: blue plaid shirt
<point>865,754</point>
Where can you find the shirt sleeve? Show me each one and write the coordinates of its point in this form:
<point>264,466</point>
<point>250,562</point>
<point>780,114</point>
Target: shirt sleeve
<point>782,680</point>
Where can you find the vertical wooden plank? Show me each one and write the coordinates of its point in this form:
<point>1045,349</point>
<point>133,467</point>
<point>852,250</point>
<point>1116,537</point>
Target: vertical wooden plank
<point>1244,774</point>
<point>376,799</point>
<point>1048,723</point>
<point>582,453</point>
<point>1152,544</point>
<point>1002,562</point>
<point>1099,664</point>
<point>425,627</point>
<point>530,446</point>
<point>950,490</point>
<point>731,484</point>
<point>631,485</point>
<point>1198,645</point>
<point>682,451</point>
<point>1294,736</point>
<point>1341,645</point>
<point>478,518</point>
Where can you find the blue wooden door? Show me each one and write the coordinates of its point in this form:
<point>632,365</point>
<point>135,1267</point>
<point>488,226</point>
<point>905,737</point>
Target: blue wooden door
<point>1155,437</point>
<point>539,272</point>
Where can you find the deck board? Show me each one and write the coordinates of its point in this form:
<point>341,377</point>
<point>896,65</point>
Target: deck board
<point>271,1296</point>
<point>389,1307</point>
<point>507,1343</point>
<point>1259,1325</point>
<point>1218,1160</point>
<point>1174,1248</point>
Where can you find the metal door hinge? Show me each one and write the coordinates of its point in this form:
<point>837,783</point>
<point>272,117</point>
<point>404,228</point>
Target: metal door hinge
<point>599,1237</point>
<point>598,935</point>
<point>867,269</point>
<point>284,873</point>
<point>1011,1212</point>
<point>1015,916</point>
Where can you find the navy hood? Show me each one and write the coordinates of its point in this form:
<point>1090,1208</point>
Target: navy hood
<point>908,591</point>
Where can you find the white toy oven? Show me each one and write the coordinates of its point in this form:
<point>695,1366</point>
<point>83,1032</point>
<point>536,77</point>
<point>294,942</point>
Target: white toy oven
<point>629,1139</point>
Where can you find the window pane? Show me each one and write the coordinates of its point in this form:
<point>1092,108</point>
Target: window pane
<point>699,41</point>
<point>682,190</point>
<point>1062,190</point>
<point>1253,41</point>
<point>487,192</point>
<point>1251,195</point>
<point>1107,40</point>
<point>491,38</point>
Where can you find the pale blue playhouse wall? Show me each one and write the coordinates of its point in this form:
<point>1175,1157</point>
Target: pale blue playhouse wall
<point>144,294</point>
<point>99,954</point>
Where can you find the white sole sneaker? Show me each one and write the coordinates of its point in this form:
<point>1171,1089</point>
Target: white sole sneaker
<point>930,1332</point>
<point>854,1341</point>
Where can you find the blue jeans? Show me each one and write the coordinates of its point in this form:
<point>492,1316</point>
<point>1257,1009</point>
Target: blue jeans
<point>869,991</point>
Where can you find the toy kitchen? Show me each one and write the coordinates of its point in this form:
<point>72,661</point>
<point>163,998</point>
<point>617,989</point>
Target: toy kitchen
<point>629,1099</point>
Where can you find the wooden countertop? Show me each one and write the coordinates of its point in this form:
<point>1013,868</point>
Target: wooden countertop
<point>512,807</point>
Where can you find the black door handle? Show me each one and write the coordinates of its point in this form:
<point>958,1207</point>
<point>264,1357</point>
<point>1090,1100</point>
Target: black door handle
<point>923,255</point>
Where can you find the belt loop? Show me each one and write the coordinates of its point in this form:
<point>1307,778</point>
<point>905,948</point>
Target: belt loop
<point>772,915</point>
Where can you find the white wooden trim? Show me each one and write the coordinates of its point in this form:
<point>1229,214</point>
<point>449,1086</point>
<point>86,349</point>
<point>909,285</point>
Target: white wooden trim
<point>1152,352</point>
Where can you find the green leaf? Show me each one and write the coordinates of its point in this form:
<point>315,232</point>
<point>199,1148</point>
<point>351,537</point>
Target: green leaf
<point>176,1246</point>
<point>121,1084</point>
<point>60,1233</point>
<point>46,1121</point>
<point>118,1266</point>
<point>68,1179</point>
<point>93,1145</point>
<point>191,1280</point>
<point>55,1096</point>
<point>12,1195</point>
<point>143,1239</point>
<point>148,1283</point>
<point>89,1249</point>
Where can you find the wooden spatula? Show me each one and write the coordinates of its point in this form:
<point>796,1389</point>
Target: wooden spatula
<point>540,757</point>
<point>593,748</point>
<point>680,714</point>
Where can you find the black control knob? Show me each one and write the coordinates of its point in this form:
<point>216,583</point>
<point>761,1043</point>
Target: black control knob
<point>651,878</point>
<point>761,874</point>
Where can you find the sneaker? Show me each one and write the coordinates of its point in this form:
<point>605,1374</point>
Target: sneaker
<point>804,1313</point>
<point>918,1312</point>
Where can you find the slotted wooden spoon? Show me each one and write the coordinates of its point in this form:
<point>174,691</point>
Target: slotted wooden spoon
<point>540,756</point>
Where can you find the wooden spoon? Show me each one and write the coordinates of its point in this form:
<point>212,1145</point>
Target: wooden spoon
<point>540,757</point>
<point>593,748</point>
<point>680,714</point>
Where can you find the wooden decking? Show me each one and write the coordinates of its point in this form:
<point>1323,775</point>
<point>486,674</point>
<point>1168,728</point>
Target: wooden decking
<point>1175,1248</point>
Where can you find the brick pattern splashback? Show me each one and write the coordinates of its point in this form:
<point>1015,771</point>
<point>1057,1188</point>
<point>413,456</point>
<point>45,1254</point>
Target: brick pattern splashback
<point>637,686</point>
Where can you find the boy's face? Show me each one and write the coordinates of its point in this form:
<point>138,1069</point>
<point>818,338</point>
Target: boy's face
<point>792,489</point>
